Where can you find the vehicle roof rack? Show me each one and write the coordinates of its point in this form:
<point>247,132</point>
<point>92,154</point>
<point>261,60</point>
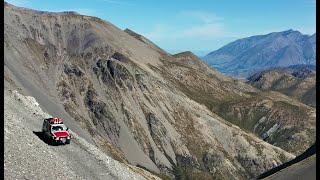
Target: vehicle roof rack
<point>55,121</point>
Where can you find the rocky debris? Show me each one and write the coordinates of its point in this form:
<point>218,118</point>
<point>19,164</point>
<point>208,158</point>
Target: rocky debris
<point>120,57</point>
<point>212,161</point>
<point>73,70</point>
<point>113,73</point>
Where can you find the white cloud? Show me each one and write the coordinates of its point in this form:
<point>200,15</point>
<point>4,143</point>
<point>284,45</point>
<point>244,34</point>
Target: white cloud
<point>204,25</point>
<point>203,16</point>
<point>210,30</point>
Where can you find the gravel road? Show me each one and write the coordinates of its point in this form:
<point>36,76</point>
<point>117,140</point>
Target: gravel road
<point>27,156</point>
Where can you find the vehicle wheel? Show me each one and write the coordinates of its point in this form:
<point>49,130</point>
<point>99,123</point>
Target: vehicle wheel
<point>63,140</point>
<point>68,141</point>
<point>50,141</point>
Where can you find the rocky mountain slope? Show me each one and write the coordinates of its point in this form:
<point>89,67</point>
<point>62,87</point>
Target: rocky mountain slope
<point>297,81</point>
<point>117,93</point>
<point>272,116</point>
<point>247,56</point>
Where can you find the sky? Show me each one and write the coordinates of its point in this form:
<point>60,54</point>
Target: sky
<point>188,25</point>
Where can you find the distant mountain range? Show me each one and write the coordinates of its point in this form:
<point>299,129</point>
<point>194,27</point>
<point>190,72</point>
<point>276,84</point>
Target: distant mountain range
<point>247,56</point>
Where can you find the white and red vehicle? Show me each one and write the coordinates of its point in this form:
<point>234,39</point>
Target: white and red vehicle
<point>55,131</point>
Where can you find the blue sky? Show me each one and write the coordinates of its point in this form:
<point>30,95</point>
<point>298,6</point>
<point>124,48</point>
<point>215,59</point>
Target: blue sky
<point>199,26</point>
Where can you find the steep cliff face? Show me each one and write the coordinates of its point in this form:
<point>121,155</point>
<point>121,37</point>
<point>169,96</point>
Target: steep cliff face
<point>112,90</point>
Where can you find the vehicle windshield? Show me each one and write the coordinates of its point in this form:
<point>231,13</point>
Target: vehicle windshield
<point>60,127</point>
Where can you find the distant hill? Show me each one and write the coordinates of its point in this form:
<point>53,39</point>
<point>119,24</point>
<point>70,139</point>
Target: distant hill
<point>298,81</point>
<point>247,56</point>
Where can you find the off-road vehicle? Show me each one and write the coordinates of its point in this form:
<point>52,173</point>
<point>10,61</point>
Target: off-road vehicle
<point>55,132</point>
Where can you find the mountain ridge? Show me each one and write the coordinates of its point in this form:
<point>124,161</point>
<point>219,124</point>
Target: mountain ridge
<point>243,57</point>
